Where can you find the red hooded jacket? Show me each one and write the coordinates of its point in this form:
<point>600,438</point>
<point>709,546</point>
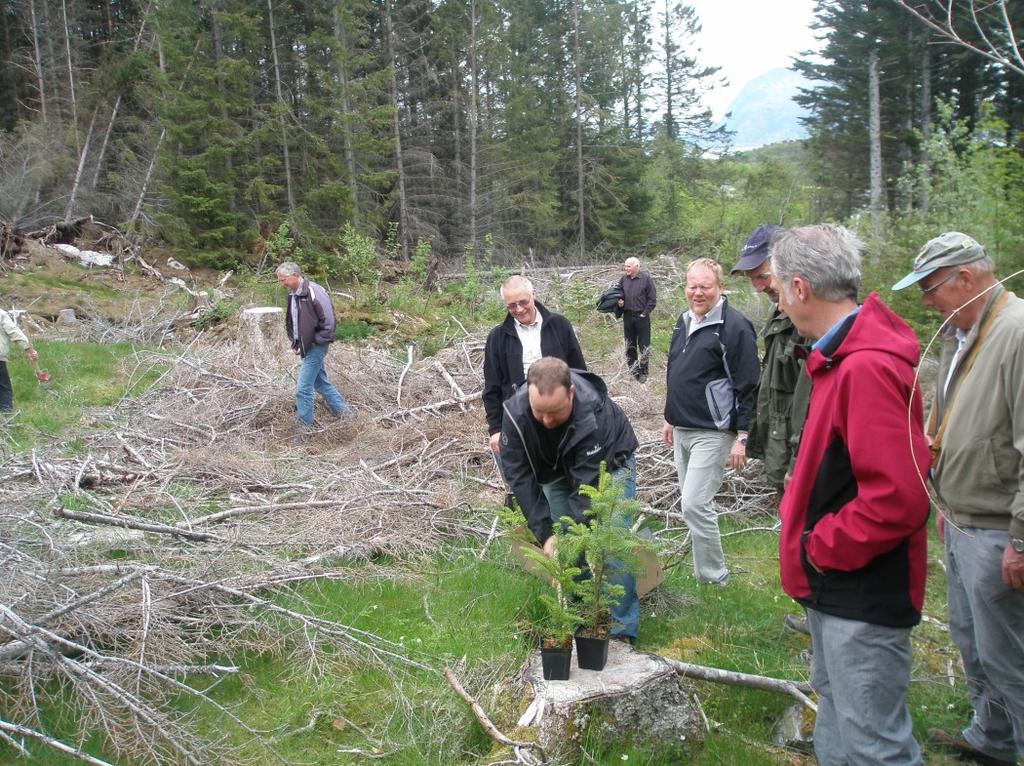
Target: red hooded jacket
<point>857,505</point>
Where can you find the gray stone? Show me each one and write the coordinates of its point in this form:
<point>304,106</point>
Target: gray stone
<point>637,698</point>
<point>795,729</point>
<point>67,317</point>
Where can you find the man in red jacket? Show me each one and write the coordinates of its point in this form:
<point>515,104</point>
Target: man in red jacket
<point>853,543</point>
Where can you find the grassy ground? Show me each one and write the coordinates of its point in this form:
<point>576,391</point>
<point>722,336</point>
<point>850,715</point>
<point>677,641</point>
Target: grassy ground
<point>478,616</point>
<point>83,376</point>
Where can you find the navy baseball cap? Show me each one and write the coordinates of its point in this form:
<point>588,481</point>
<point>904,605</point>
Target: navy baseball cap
<point>949,249</point>
<point>755,249</point>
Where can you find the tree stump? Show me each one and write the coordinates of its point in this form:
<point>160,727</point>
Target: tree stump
<point>260,325</point>
<point>637,698</point>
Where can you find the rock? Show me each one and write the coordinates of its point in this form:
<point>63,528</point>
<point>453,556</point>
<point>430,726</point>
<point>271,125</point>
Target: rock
<point>86,257</point>
<point>795,729</point>
<point>637,698</point>
<point>67,317</point>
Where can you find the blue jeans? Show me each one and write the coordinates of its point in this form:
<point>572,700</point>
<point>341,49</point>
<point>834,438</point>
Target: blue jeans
<point>625,614</point>
<point>861,673</point>
<point>986,621</point>
<point>313,377</point>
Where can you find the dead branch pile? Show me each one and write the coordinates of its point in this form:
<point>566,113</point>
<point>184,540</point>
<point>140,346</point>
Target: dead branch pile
<point>141,555</point>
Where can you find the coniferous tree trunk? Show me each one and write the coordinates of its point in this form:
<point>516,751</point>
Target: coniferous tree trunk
<point>579,127</point>
<point>341,40</point>
<point>875,139</point>
<point>926,125</point>
<point>473,101</point>
<point>403,214</point>
<point>71,74</point>
<point>37,60</point>
<point>282,105</point>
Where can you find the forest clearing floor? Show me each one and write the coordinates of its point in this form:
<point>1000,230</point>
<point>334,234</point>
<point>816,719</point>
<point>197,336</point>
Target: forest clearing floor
<point>188,580</point>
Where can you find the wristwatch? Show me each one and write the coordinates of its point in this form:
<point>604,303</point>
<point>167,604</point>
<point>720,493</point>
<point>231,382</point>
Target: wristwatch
<point>742,438</point>
<point>1017,544</point>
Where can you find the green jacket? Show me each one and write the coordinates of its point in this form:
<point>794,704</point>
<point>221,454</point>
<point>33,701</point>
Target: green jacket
<point>979,475</point>
<point>10,331</point>
<point>782,397</point>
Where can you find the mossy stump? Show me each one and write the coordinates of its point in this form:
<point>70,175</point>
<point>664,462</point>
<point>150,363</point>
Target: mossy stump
<point>637,698</point>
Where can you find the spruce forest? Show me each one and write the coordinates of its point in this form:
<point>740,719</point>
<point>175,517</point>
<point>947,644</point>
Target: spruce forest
<point>497,129</point>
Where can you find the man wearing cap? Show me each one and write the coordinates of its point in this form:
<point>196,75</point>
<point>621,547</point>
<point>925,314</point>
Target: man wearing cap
<point>976,428</point>
<point>528,333</point>
<point>781,402</point>
<point>853,543</point>
<point>639,297</point>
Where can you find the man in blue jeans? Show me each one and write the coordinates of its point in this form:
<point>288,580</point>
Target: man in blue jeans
<point>555,433</point>
<point>309,322</point>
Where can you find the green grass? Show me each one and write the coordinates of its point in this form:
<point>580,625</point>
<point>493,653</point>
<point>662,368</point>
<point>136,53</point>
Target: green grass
<point>82,376</point>
<point>479,615</point>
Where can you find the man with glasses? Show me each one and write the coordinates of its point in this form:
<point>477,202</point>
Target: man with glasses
<point>976,430</point>
<point>528,333</point>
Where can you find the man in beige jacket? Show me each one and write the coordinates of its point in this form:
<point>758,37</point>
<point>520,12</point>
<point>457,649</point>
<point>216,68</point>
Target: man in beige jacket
<point>976,428</point>
<point>9,331</point>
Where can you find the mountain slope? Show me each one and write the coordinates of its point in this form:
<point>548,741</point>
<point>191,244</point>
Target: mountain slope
<point>764,112</point>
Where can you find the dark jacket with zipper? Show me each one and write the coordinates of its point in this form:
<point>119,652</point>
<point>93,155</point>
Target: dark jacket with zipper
<point>857,507</point>
<point>712,374</point>
<point>316,317</point>
<point>597,430</point>
<point>503,359</point>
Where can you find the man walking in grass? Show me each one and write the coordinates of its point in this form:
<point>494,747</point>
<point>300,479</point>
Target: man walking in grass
<point>309,322</point>
<point>853,544</point>
<point>9,331</point>
<point>976,428</point>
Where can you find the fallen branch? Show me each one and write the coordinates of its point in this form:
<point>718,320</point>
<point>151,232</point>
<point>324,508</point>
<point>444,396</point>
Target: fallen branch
<point>798,689</point>
<point>489,727</point>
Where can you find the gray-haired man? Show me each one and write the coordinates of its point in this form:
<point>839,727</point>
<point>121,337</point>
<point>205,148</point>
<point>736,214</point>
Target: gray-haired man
<point>976,428</point>
<point>639,297</point>
<point>309,322</point>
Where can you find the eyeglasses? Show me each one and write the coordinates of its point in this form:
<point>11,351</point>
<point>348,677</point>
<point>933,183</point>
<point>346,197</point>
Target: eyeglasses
<point>937,285</point>
<point>519,304</point>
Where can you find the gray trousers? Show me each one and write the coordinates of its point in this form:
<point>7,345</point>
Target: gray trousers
<point>986,620</point>
<point>861,673</point>
<point>700,464</point>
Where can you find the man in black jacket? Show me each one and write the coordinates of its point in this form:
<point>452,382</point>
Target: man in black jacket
<point>712,374</point>
<point>529,332</point>
<point>639,297</point>
<point>555,433</point>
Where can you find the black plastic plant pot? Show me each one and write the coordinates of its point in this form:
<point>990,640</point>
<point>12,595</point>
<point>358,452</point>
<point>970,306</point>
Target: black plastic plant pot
<point>591,653</point>
<point>556,662</point>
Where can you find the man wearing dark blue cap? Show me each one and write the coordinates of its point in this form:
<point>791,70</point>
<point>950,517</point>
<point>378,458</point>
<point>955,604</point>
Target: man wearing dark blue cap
<point>976,429</point>
<point>781,403</point>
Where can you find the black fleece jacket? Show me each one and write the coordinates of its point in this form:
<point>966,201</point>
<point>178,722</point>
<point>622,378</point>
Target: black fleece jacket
<point>712,374</point>
<point>503,359</point>
<point>597,430</point>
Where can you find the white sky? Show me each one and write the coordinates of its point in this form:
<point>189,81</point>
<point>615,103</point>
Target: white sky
<point>746,38</point>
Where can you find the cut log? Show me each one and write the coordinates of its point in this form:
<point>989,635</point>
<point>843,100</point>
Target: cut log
<point>638,698</point>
